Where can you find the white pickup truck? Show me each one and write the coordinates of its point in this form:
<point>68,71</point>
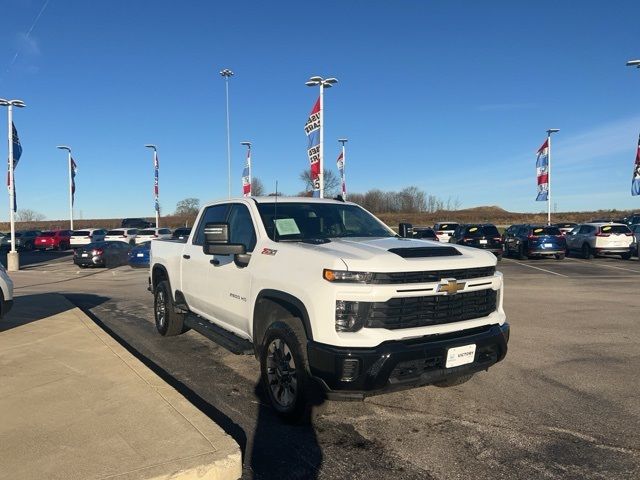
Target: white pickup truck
<point>329,299</point>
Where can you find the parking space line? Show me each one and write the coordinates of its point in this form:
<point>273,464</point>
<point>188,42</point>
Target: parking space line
<point>602,265</point>
<point>537,268</point>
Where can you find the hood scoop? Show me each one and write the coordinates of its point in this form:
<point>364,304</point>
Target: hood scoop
<point>423,252</point>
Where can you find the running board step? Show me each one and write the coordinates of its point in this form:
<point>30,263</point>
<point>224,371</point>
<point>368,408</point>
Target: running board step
<point>222,337</point>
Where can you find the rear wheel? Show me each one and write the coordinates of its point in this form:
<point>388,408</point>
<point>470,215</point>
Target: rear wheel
<point>521,254</point>
<point>626,256</point>
<point>586,252</point>
<point>168,321</point>
<point>560,256</point>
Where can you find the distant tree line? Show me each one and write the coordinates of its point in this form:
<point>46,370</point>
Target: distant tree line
<point>408,200</point>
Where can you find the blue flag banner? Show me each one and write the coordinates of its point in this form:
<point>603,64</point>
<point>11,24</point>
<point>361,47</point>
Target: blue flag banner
<point>74,170</point>
<point>17,153</point>
<point>542,172</point>
<point>635,181</point>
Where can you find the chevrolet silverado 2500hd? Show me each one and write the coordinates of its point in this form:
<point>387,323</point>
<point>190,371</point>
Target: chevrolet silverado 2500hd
<point>330,297</point>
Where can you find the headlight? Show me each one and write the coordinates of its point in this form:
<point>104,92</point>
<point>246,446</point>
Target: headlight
<point>346,276</point>
<point>350,316</point>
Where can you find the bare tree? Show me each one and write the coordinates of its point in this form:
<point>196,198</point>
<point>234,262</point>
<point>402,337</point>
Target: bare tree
<point>331,182</point>
<point>188,207</point>
<point>257,188</point>
<point>28,215</point>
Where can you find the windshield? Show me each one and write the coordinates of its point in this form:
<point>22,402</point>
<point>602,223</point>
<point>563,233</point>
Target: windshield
<point>481,231</point>
<point>542,231</point>
<point>312,221</point>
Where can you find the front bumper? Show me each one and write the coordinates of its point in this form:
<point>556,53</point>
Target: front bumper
<point>399,365</point>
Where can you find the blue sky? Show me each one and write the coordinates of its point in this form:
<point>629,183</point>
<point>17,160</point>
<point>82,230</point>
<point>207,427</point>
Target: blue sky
<point>453,97</point>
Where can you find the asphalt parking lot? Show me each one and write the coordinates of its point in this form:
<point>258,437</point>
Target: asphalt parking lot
<point>563,404</point>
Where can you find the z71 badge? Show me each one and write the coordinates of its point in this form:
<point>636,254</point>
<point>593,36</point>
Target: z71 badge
<point>269,251</point>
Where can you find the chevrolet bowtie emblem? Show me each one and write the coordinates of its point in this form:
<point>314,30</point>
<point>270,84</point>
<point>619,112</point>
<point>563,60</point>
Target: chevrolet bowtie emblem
<point>450,286</point>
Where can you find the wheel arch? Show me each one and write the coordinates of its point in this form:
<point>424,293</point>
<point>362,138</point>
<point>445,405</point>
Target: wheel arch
<point>284,300</point>
<point>158,274</point>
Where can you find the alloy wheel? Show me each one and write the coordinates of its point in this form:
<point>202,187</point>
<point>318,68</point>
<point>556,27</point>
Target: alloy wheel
<point>161,309</point>
<point>281,373</point>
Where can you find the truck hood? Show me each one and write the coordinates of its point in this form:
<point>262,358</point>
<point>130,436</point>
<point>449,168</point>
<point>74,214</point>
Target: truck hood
<point>402,254</point>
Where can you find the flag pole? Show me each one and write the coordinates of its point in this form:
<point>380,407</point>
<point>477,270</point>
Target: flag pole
<point>12,198</point>
<point>549,132</point>
<point>70,191</point>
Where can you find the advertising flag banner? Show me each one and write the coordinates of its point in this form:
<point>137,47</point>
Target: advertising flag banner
<point>542,171</point>
<point>17,153</point>
<point>635,182</point>
<point>156,168</point>
<point>246,176</point>
<point>74,170</point>
<point>312,129</point>
<point>340,163</point>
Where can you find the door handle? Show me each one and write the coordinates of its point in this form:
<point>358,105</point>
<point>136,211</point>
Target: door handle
<point>186,257</point>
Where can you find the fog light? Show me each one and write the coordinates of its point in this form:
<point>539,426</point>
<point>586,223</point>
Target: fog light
<point>350,369</point>
<point>350,315</point>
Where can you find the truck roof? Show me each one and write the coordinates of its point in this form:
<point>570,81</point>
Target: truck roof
<point>283,200</point>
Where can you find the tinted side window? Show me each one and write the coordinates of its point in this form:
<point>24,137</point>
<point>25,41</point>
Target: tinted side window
<point>213,214</point>
<point>241,227</point>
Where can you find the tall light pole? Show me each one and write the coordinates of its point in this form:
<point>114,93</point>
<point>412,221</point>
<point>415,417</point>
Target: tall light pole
<point>156,187</point>
<point>323,83</point>
<point>13,258</point>
<point>226,73</point>
<point>549,132</point>
<point>64,147</point>
<point>342,171</point>
<point>246,173</point>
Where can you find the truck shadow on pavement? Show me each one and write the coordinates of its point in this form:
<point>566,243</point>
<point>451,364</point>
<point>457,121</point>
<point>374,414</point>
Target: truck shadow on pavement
<point>40,306</point>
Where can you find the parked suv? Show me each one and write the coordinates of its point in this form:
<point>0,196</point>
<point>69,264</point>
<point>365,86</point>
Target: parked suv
<point>595,238</point>
<point>480,235</point>
<point>127,235</point>
<point>152,234</point>
<point>425,233</point>
<point>566,227</point>
<point>54,240</point>
<point>528,241</point>
<point>444,230</point>
<point>25,240</point>
<point>136,223</point>
<point>87,236</point>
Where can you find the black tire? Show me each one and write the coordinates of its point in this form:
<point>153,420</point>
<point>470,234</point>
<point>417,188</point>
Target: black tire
<point>626,256</point>
<point>586,252</point>
<point>285,369</point>
<point>560,256</point>
<point>521,255</point>
<point>168,321</point>
<point>499,256</point>
<point>452,382</point>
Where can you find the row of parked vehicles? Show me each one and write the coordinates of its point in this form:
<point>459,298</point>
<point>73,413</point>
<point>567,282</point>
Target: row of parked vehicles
<point>600,236</point>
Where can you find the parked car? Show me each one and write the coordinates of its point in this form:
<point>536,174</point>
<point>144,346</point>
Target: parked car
<point>509,234</point>
<point>102,254</point>
<point>153,234</point>
<point>122,235</point>
<point>527,241</point>
<point>181,233</point>
<point>139,255</point>
<point>425,233</point>
<point>479,235</point>
<point>566,227</point>
<point>6,292</point>
<point>591,239</point>
<point>135,223</point>
<point>86,236</point>
<point>25,240</point>
<point>53,240</point>
<point>633,219</point>
<point>444,230</point>
<point>636,239</point>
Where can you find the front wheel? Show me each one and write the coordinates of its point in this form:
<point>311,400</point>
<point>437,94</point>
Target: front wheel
<point>168,321</point>
<point>521,253</point>
<point>283,366</point>
<point>560,256</point>
<point>626,256</point>
<point>586,252</point>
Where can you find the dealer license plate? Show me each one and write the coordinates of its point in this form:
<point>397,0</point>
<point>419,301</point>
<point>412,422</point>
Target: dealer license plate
<point>457,356</point>
<point>140,255</point>
<point>548,245</point>
<point>483,242</point>
<point>85,254</point>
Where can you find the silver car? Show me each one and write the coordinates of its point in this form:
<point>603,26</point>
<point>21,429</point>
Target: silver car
<point>595,238</point>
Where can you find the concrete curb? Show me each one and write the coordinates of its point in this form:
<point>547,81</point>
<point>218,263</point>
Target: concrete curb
<point>71,336</point>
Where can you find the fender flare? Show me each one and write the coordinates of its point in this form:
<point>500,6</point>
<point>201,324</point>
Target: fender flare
<point>284,299</point>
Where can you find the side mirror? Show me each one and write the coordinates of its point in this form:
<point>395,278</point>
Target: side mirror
<point>216,241</point>
<point>405,230</point>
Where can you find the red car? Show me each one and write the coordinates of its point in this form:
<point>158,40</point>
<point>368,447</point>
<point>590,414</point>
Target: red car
<point>55,239</point>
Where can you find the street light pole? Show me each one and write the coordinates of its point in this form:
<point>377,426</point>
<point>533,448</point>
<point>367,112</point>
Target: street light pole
<point>64,147</point>
<point>323,83</point>
<point>549,132</point>
<point>156,186</point>
<point>13,258</point>
<point>226,73</point>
